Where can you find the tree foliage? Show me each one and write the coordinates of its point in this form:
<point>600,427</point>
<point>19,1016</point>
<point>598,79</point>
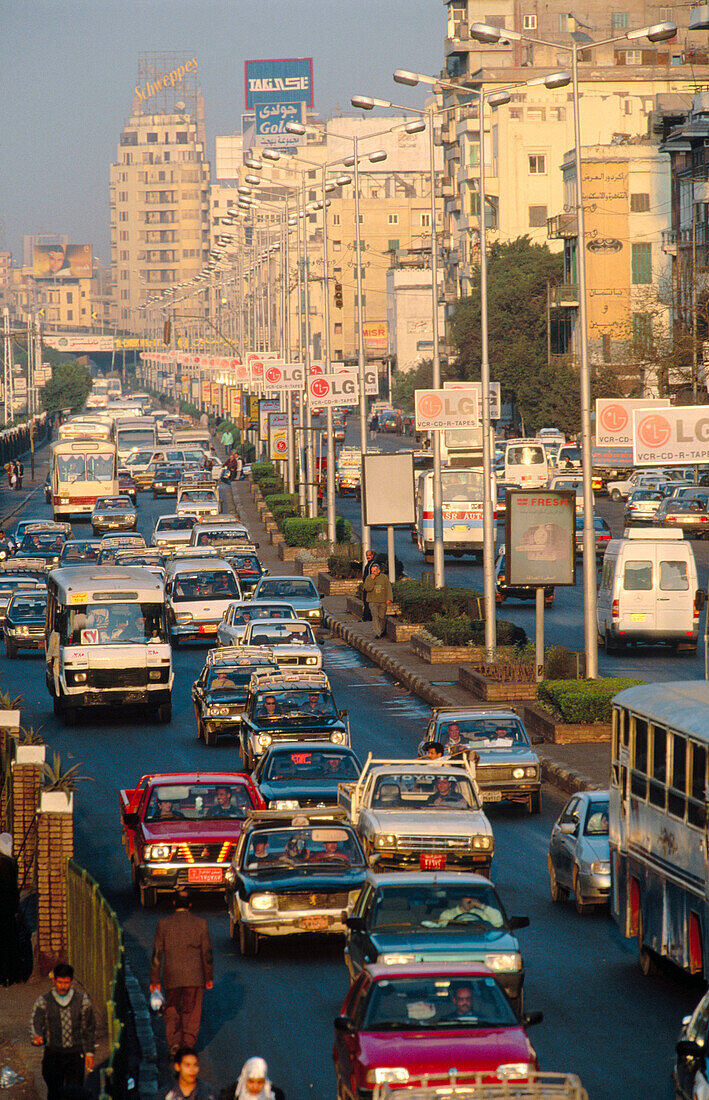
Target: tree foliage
<point>518,273</point>
<point>68,387</point>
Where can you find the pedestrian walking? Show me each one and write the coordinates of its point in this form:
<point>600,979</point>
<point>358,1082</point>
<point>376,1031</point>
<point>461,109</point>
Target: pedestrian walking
<point>188,1085</point>
<point>183,962</point>
<point>253,1084</point>
<point>20,471</point>
<point>8,468</point>
<point>366,570</point>
<point>379,595</point>
<point>63,1023</point>
<point>373,427</point>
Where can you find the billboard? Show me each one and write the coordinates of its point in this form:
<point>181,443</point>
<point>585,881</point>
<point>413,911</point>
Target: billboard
<point>329,391</point>
<point>284,376</point>
<point>270,124</point>
<point>62,261</point>
<point>278,80</point>
<point>371,375</point>
<point>278,436</point>
<point>78,342</point>
<point>614,418</point>
<point>439,409</point>
<point>494,392</point>
<point>388,489</point>
<point>666,437</point>
<point>540,537</point>
<point>266,406</point>
<point>375,336</point>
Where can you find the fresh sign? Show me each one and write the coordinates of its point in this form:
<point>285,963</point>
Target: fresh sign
<point>441,409</point>
<point>667,436</point>
<point>614,419</point>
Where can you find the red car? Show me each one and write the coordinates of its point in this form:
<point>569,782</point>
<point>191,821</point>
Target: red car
<point>180,830</point>
<point>400,1022</point>
<point>126,485</point>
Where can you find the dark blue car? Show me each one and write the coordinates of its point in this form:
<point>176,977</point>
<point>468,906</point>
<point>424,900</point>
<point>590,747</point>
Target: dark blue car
<point>304,773</point>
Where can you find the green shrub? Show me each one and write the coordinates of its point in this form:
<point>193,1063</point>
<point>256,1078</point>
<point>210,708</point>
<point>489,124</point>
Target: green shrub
<point>343,529</point>
<point>283,512</point>
<point>270,486</point>
<point>260,470</point>
<point>302,531</point>
<point>344,567</point>
<point>462,630</point>
<point>582,700</point>
<point>281,500</point>
<point>419,601</point>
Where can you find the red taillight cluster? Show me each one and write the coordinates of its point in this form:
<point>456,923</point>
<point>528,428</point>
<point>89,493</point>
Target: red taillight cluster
<point>615,609</point>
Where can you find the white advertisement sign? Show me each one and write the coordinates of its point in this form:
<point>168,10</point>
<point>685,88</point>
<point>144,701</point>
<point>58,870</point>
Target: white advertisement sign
<point>614,418</point>
<point>670,436</point>
<point>332,390</point>
<point>371,377</point>
<point>284,376</point>
<point>78,342</point>
<point>495,398</point>
<point>440,409</point>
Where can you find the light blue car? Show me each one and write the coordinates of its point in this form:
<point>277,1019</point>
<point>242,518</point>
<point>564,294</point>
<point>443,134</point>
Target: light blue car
<point>299,592</point>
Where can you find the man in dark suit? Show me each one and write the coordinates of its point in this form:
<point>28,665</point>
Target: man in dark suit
<point>182,960</point>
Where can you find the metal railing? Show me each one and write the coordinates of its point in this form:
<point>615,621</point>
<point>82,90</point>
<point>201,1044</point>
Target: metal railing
<point>96,951</point>
<point>567,294</point>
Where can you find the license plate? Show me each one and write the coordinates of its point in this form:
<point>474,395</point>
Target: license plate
<point>315,924</point>
<point>204,875</point>
<point>170,488</point>
<point>637,617</point>
<point>208,628</point>
<point>431,862</point>
<point>492,796</point>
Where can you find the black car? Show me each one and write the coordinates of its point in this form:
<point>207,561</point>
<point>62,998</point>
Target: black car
<point>307,774</point>
<point>691,1070</point>
<point>25,618</point>
<point>219,693</point>
<point>248,568</point>
<point>46,545</point>
<point>293,873</point>
<point>290,706</point>
<point>505,591</point>
<point>48,487</point>
<point>166,479</point>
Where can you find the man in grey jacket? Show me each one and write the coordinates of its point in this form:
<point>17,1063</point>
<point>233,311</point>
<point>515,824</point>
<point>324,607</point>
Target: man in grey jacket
<point>183,961</point>
<point>63,1023</point>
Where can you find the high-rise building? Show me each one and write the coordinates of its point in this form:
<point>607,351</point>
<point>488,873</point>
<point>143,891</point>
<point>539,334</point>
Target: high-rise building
<point>159,195</point>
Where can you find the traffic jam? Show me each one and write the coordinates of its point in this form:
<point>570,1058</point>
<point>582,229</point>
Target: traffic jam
<point>393,857</point>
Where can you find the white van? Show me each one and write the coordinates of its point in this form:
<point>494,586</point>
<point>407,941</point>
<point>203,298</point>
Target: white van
<point>526,464</point>
<point>198,592</point>
<point>649,590</point>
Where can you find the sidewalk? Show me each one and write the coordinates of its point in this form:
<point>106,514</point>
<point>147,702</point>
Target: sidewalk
<point>569,767</point>
<point>11,502</point>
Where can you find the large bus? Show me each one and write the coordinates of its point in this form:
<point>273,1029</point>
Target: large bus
<point>82,471</point>
<point>135,433</point>
<point>658,822</point>
<point>98,398</point>
<point>107,640</point>
<point>114,388</point>
<point>526,464</point>
<point>86,427</point>
<point>462,499</point>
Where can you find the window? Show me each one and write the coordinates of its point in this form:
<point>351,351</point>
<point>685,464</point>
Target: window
<point>70,315</point>
<point>475,204</point>
<point>425,219</point>
<point>619,20</point>
<point>638,779</point>
<point>639,203</point>
<point>673,576</point>
<point>338,328</point>
<point>565,23</point>
<point>666,15</point>
<point>151,138</point>
<point>393,245</point>
<point>393,219</point>
<point>181,137</point>
<point>696,810</point>
<point>537,217</point>
<point>642,332</point>
<point>537,164</point>
<point>335,219</point>
<point>637,576</point>
<point>676,794</point>
<point>659,764</point>
<point>630,57</point>
<point>558,113</point>
<point>312,195</point>
<point>641,263</point>
<point>337,246</point>
<point>536,114</point>
<point>529,22</point>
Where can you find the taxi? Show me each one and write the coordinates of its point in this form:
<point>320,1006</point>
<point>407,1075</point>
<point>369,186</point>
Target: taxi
<point>290,706</point>
<point>220,691</point>
<point>239,614</point>
<point>292,639</point>
<point>197,500</point>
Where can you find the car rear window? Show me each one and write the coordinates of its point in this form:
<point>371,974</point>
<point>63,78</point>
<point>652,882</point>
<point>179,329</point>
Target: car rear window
<point>637,576</point>
<point>674,576</point>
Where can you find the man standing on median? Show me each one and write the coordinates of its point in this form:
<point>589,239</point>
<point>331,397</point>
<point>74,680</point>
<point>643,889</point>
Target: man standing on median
<point>63,1023</point>
<point>378,594</point>
<point>183,961</point>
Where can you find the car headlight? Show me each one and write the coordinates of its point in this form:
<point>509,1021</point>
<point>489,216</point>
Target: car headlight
<point>601,867</point>
<point>396,960</point>
<point>157,851</point>
<point>261,902</point>
<point>154,674</point>
<point>230,876</point>
<point>510,1071</point>
<point>518,773</point>
<point>383,1074</point>
<point>482,842</point>
<point>22,630</point>
<point>337,737</point>
<point>510,961</point>
<point>79,677</point>
<point>183,617</point>
<point>313,614</point>
<point>284,804</point>
<point>530,772</point>
<point>264,740</point>
<point>384,840</point>
<point>311,660</point>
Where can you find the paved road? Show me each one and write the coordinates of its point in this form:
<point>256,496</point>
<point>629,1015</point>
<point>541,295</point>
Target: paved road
<point>602,1018</point>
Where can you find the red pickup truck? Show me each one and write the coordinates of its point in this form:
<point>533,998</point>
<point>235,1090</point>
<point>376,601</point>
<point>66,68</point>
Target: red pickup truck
<point>180,830</point>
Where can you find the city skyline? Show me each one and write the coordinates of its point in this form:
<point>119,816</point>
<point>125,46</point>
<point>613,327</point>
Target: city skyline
<point>70,96</point>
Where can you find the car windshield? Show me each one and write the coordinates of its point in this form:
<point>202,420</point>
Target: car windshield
<point>310,766</point>
<point>597,819</point>
<point>291,589</point>
<point>167,471</point>
<point>227,678</point>
<point>488,733</point>
<point>296,703</point>
<point>525,455</point>
<point>26,608</point>
<point>43,541</point>
<point>293,633</point>
<point>116,504</point>
<point>462,486</point>
<point>245,615</point>
<point>208,584</point>
<point>219,534</point>
<point>198,495</point>
<point>113,622</point>
<point>79,551</point>
<point>245,563</point>
<point>199,802</point>
<point>331,845</point>
<point>139,458</point>
<point>423,790</point>
<point>175,523</point>
<point>438,1002</point>
<point>423,906</point>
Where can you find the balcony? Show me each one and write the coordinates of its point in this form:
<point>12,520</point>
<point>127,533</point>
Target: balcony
<point>565,296</point>
<point>669,241</point>
<point>562,227</point>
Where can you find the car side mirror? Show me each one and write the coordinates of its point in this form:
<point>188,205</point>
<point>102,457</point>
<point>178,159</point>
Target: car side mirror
<point>700,599</point>
<point>356,924</point>
<point>344,714</point>
<point>344,1023</point>
<point>568,828</point>
<point>519,922</point>
<point>130,819</point>
<point>531,1018</point>
<point>537,739</point>
<point>686,1048</point>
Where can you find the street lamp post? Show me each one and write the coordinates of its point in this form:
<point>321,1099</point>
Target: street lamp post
<point>483,32</point>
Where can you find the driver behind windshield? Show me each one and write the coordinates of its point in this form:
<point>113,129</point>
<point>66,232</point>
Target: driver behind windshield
<point>472,908</point>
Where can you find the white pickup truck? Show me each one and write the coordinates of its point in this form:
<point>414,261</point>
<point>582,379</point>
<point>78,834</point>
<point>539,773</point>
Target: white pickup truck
<point>426,814</point>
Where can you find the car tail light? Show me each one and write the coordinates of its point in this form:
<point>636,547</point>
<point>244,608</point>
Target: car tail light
<point>615,609</point>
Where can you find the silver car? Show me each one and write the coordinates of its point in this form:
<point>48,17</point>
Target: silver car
<point>579,856</point>
<point>237,616</point>
<point>114,514</point>
<point>299,592</point>
<point>173,530</point>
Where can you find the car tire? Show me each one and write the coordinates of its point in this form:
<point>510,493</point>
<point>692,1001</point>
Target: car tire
<point>233,928</point>
<point>200,730</point>
<point>518,1002</point>
<point>210,737</point>
<point>582,907</point>
<point>135,880</point>
<point>56,704</point>
<point>558,892</point>
<point>646,957</point>
<point>248,941</point>
<point>10,649</point>
<point>164,713</point>
<point>148,896</point>
<point>535,802</point>
<point>608,644</point>
<point>615,495</point>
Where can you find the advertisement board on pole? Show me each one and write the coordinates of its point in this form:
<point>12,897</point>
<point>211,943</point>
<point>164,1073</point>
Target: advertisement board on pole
<point>375,336</point>
<point>614,418</point>
<point>278,80</point>
<point>278,436</point>
<point>388,489</point>
<point>332,390</point>
<point>540,537</point>
<point>371,376</point>
<point>265,406</point>
<point>270,121</point>
<point>495,398</point>
<point>671,436</point>
<point>440,409</point>
<point>62,261</point>
<point>284,377</point>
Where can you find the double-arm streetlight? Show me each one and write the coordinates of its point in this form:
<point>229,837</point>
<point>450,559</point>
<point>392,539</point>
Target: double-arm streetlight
<point>658,32</point>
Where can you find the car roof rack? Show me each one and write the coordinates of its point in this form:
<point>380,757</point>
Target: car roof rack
<point>238,654</point>
<point>324,813</point>
<point>485,708</point>
<point>270,680</point>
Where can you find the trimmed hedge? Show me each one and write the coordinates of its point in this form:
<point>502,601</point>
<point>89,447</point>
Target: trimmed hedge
<point>420,601</point>
<point>281,500</point>
<point>261,470</point>
<point>270,486</point>
<point>344,568</point>
<point>462,630</point>
<point>302,531</point>
<point>584,701</point>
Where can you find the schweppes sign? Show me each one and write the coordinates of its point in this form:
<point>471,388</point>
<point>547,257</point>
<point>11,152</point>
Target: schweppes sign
<point>166,80</point>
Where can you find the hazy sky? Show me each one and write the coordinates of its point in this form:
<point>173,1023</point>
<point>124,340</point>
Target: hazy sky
<point>69,68</point>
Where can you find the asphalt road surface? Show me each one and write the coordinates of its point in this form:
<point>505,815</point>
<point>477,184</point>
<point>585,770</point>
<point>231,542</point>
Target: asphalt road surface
<point>603,1019</point>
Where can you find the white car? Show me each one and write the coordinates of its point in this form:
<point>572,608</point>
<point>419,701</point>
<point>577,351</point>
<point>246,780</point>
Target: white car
<point>199,500</point>
<point>292,641</point>
<point>173,530</point>
<point>648,479</point>
<point>239,614</point>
